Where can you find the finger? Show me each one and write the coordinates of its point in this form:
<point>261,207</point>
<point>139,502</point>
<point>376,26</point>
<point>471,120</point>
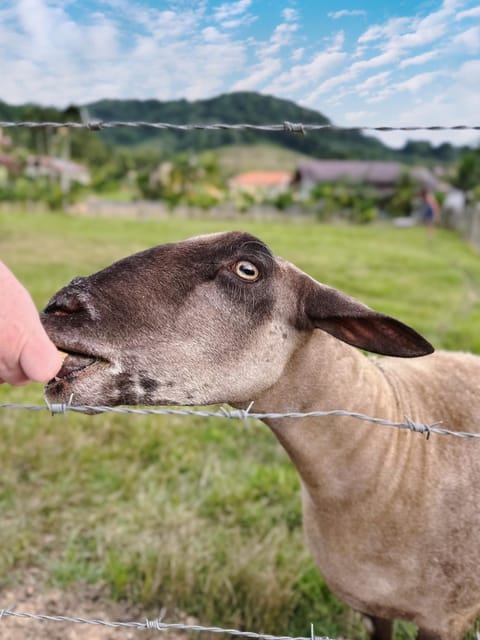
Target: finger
<point>14,377</point>
<point>40,359</point>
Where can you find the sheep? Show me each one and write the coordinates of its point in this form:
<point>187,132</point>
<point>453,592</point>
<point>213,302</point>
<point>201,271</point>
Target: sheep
<point>390,518</point>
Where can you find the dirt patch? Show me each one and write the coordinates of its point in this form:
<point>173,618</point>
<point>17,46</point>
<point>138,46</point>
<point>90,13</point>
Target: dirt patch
<point>30,595</point>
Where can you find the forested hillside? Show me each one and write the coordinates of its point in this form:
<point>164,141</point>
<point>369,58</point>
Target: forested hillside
<point>241,107</point>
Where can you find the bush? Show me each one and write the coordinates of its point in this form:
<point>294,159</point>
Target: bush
<point>352,202</point>
<point>399,203</point>
<point>468,173</point>
<point>202,199</point>
<point>24,190</point>
<point>282,200</point>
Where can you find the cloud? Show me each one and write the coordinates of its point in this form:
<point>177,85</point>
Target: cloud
<point>457,103</point>
<point>169,25</point>
<point>420,59</point>
<point>470,39</point>
<point>54,59</point>
<point>361,89</point>
<point>387,57</point>
<point>407,33</point>
<point>390,29</point>
<point>331,83</point>
<point>359,116</point>
<point>373,81</point>
<point>469,73</point>
<point>410,32</point>
<point>337,41</point>
<point>231,9</point>
<point>242,21</point>
<point>206,68</point>
<point>282,35</point>
<point>258,75</point>
<point>297,54</point>
<point>290,15</point>
<point>382,45</point>
<point>415,83</point>
<point>346,12</point>
<point>468,13</point>
<point>412,85</point>
<point>212,34</point>
<point>305,75</point>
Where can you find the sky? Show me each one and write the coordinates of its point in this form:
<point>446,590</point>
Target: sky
<point>359,62</point>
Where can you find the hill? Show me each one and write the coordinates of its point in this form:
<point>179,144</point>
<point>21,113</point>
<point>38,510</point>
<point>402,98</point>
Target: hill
<point>233,108</point>
<point>240,107</point>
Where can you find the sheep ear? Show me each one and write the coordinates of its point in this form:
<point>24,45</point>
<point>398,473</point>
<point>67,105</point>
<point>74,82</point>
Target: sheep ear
<point>353,322</point>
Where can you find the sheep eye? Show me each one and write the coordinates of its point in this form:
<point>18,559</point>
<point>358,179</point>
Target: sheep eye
<point>246,270</point>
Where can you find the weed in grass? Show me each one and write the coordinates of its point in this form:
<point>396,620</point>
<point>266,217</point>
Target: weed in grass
<point>78,562</point>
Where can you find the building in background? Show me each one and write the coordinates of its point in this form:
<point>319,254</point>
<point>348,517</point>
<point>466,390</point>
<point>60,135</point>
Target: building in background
<point>66,171</point>
<point>261,183</point>
<point>383,176</point>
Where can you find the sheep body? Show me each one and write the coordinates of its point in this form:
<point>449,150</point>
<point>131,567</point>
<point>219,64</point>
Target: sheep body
<point>390,517</point>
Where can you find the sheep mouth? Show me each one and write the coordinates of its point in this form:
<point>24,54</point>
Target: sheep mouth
<point>76,365</point>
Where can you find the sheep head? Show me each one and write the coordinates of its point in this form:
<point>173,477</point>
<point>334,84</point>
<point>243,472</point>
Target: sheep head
<point>210,319</point>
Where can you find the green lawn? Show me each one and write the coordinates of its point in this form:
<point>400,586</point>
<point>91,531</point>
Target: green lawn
<point>198,515</point>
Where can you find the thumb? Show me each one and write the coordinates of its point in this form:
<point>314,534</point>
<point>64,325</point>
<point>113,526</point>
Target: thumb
<point>40,359</point>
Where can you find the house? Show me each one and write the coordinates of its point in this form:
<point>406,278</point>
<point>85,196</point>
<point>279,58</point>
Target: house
<point>9,163</point>
<point>261,183</point>
<point>5,141</point>
<point>57,168</point>
<point>381,175</point>
<point>9,166</point>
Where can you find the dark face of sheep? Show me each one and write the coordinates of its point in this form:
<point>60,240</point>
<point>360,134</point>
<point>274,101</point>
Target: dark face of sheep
<point>210,319</point>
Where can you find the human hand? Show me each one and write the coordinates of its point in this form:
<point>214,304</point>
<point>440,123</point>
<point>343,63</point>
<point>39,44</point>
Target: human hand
<point>26,352</point>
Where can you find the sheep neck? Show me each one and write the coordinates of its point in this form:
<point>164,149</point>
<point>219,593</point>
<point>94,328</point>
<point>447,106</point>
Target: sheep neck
<point>326,374</point>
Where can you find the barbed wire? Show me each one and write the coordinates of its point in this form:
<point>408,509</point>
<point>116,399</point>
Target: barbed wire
<point>286,126</point>
<point>156,624</point>
<point>244,414</point>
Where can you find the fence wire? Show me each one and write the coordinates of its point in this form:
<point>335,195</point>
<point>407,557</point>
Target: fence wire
<point>243,414</point>
<point>286,126</point>
<point>157,625</point>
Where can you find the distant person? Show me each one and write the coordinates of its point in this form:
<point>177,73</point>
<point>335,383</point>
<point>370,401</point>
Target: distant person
<point>26,352</point>
<point>430,210</point>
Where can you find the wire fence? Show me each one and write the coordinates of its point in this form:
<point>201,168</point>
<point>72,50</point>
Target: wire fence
<point>286,126</point>
<point>243,414</point>
<point>156,625</point>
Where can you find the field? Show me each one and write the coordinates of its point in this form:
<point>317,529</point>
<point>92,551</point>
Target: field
<point>237,158</point>
<point>201,517</point>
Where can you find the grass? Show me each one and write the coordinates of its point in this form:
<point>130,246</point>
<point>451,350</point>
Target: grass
<point>198,515</point>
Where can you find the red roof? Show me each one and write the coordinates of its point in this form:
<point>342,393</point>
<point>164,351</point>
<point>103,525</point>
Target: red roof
<point>262,179</point>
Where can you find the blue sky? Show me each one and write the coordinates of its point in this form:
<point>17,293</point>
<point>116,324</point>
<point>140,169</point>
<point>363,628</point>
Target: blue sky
<point>358,62</point>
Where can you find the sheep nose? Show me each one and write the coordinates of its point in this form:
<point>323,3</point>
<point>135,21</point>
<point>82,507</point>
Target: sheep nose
<point>69,300</point>
<point>63,305</point>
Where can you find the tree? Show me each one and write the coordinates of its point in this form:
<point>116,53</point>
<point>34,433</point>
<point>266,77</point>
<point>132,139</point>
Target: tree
<point>468,173</point>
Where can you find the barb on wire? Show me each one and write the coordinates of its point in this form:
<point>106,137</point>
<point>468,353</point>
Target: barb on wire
<point>244,414</point>
<point>148,624</point>
<point>286,127</point>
